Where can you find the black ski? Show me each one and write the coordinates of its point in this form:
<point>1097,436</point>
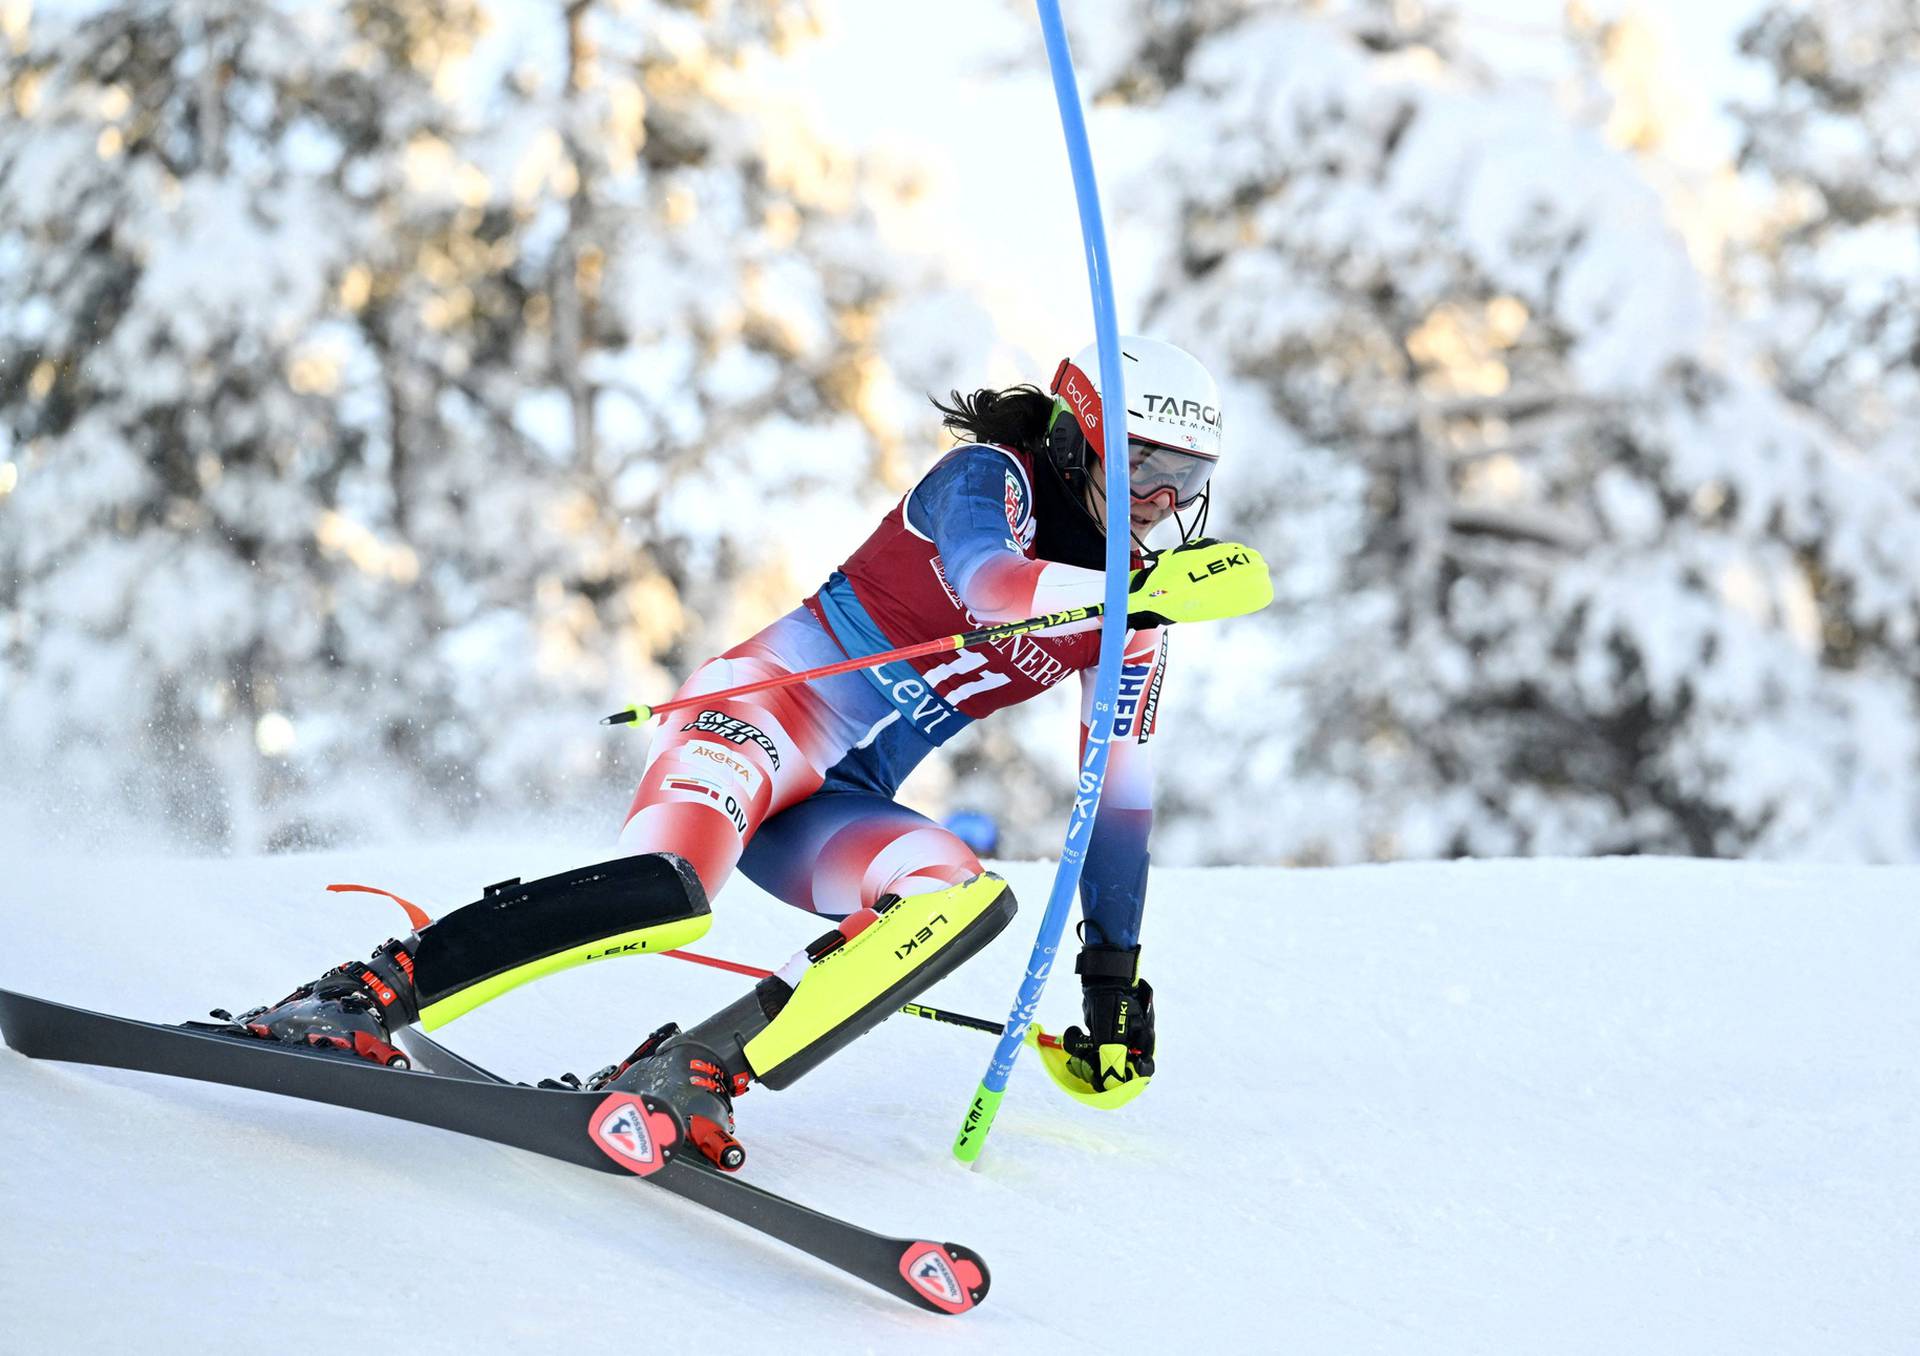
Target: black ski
<point>610,1132</point>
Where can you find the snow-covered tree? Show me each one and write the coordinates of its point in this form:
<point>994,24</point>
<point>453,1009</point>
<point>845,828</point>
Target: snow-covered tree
<point>1559,570</point>
<point>1834,273</point>
<point>174,216</point>
<point>388,388</point>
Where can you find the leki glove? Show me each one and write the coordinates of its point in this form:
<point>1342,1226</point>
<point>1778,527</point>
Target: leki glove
<point>1204,580</point>
<point>1117,1043</point>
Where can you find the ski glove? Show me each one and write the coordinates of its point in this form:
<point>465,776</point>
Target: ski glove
<point>1117,1044</point>
<point>1205,580</point>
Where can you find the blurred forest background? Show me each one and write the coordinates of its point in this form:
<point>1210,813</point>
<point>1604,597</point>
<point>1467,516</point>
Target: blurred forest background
<point>390,388</point>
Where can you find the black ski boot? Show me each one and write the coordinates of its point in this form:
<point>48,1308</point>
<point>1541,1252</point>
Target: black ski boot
<point>691,1078</point>
<point>354,1007</point>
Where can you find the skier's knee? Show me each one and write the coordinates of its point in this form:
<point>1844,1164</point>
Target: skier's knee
<point>928,877</point>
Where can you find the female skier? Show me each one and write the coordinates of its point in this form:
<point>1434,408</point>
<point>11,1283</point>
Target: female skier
<point>795,785</point>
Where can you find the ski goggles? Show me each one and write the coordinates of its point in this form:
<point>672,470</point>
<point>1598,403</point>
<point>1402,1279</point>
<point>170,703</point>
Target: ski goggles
<point>1173,476</point>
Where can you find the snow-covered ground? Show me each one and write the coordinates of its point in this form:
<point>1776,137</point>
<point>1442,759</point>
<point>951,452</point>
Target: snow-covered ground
<point>1613,1106</point>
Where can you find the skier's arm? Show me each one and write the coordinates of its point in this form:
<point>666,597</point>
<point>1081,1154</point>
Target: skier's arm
<point>977,505</point>
<point>1115,1047</point>
<point>1113,883</point>
<point>973,507</point>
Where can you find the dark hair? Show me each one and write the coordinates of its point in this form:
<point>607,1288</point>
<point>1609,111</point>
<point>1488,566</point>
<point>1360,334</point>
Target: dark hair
<point>1015,417</point>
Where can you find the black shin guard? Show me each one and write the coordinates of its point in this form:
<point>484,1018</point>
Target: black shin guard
<point>516,932</point>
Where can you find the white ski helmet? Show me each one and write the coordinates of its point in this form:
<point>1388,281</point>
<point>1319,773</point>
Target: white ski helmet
<point>1173,418</point>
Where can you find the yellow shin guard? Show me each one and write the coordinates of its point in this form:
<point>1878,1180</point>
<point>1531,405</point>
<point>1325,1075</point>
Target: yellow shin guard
<point>856,982</point>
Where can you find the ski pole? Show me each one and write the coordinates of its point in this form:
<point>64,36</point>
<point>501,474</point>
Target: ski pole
<point>985,635</point>
<point>992,1088</point>
<point>911,1009</point>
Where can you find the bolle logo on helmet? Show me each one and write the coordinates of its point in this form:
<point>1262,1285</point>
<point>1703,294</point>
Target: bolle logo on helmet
<point>1077,391</point>
<point>1168,407</point>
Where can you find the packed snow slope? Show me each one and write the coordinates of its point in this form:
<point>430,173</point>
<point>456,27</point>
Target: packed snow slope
<point>1556,1106</point>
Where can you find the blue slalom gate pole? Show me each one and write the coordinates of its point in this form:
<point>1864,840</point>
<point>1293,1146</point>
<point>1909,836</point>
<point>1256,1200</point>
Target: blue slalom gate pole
<point>1113,625</point>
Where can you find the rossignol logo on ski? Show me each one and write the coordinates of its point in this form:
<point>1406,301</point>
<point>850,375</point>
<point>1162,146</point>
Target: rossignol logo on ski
<point>623,1130</point>
<point>734,732</point>
<point>948,1282</point>
<point>632,1135</point>
<point>935,1277</point>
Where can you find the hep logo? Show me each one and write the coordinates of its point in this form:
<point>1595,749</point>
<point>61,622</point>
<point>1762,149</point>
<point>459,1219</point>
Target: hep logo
<point>1133,681</point>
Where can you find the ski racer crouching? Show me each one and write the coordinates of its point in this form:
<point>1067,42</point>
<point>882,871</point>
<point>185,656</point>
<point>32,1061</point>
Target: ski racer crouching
<point>795,786</point>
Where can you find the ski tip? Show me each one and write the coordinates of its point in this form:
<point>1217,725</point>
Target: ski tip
<point>948,1278</point>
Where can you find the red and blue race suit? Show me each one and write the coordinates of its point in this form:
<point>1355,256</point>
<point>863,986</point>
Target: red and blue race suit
<point>796,785</point>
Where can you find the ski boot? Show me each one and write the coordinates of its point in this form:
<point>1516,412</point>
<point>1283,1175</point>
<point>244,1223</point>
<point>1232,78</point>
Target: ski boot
<point>840,985</point>
<point>689,1076</point>
<point>354,1007</point>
